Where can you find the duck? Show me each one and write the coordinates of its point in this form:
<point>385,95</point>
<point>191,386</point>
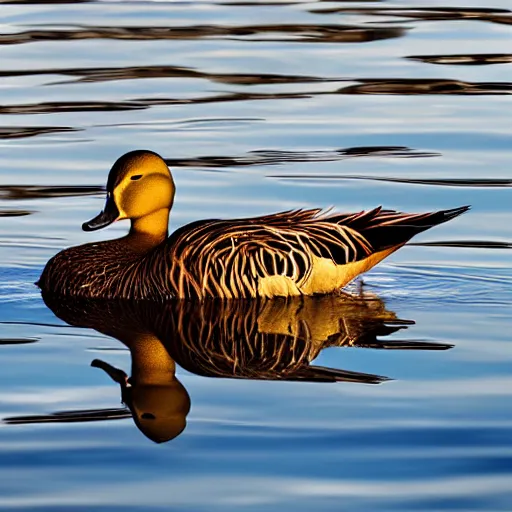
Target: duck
<point>291,253</point>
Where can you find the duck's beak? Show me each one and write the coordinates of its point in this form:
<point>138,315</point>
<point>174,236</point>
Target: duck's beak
<point>109,214</point>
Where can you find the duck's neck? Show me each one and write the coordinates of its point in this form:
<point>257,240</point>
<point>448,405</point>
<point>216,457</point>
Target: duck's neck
<point>151,363</point>
<point>149,231</point>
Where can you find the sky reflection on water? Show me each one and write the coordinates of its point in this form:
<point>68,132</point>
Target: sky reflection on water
<point>260,107</point>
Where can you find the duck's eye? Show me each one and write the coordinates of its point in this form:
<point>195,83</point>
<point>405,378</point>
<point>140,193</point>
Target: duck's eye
<point>136,177</point>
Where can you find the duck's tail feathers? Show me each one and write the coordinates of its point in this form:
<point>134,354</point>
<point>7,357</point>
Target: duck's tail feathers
<point>417,221</point>
<point>393,229</point>
<point>446,215</point>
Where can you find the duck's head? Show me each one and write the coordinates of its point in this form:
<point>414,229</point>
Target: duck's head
<point>139,185</point>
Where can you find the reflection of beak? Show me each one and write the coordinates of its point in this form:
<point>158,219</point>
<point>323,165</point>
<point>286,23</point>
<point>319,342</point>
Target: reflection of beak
<point>109,214</point>
<point>114,373</point>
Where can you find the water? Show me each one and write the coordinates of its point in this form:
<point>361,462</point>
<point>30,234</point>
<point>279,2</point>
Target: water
<point>259,107</point>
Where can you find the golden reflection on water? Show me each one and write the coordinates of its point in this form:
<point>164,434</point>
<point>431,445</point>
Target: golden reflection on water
<point>257,339</point>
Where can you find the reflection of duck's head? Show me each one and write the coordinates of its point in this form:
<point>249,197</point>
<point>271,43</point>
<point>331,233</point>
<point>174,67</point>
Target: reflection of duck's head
<point>157,400</point>
<point>160,412</point>
<point>159,406</point>
<point>139,187</point>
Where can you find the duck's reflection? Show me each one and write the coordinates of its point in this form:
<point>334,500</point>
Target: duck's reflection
<point>257,339</point>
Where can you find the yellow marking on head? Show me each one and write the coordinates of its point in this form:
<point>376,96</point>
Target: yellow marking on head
<point>141,184</point>
<point>142,188</point>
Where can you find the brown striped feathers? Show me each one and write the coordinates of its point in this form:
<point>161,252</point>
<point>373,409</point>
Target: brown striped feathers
<point>302,252</point>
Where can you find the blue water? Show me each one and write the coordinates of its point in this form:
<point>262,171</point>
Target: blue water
<point>83,83</point>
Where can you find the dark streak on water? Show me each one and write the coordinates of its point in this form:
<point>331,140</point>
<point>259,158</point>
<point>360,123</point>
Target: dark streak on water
<point>16,192</point>
<point>426,86</point>
<point>469,244</point>
<point>289,32</point>
<point>15,213</point>
<point>17,341</point>
<point>366,86</point>
<point>465,60</point>
<point>72,416</point>
<point>19,132</point>
<point>271,157</point>
<point>449,182</point>
<point>502,16</point>
<point>137,72</point>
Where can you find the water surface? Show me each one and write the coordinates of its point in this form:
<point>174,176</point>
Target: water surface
<point>257,107</point>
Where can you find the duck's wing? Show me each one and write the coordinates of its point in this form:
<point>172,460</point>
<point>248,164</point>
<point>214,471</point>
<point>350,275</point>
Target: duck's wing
<point>231,258</point>
<point>287,253</point>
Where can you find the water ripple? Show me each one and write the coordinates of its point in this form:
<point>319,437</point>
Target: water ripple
<point>426,86</point>
<point>448,182</point>
<point>15,213</point>
<point>476,59</point>
<point>19,132</point>
<point>277,157</point>
<point>445,285</point>
<point>469,244</point>
<point>279,32</point>
<point>492,15</point>
<point>15,192</point>
<point>376,86</point>
<point>140,72</point>
<point>240,87</point>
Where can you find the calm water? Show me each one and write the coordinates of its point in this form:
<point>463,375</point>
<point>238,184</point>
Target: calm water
<point>261,106</point>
